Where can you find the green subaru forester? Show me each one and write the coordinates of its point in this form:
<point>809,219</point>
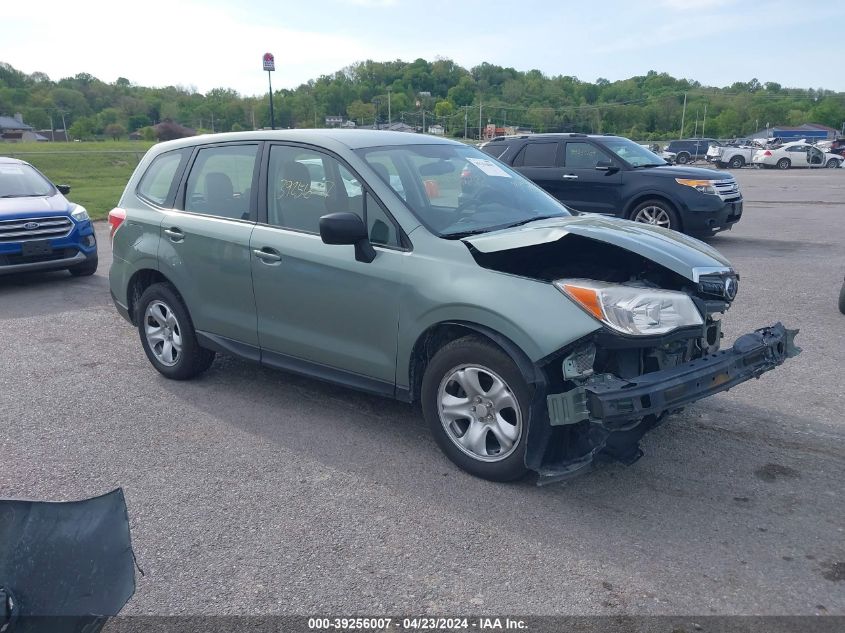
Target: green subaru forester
<point>421,269</point>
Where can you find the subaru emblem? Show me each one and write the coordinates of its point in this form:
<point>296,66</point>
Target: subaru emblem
<point>31,226</point>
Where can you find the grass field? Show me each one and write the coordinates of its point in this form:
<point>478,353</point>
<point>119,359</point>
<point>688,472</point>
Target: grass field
<point>96,171</point>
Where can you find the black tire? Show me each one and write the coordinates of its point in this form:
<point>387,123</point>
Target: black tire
<point>471,350</point>
<point>832,164</point>
<point>192,359</point>
<point>87,269</point>
<point>737,162</point>
<point>842,299</point>
<point>682,158</point>
<point>668,209</point>
<point>784,163</point>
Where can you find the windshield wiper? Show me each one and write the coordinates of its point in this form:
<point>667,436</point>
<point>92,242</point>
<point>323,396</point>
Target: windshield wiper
<point>23,195</point>
<point>529,220</point>
<point>650,165</point>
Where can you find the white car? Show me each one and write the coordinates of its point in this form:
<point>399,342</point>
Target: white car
<point>797,154</point>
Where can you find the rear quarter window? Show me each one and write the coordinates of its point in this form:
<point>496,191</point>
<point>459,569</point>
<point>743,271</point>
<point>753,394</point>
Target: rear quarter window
<point>496,151</point>
<point>159,182</point>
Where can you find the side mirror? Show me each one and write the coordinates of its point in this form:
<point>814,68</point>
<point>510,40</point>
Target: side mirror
<point>63,189</point>
<point>606,165</point>
<point>347,228</point>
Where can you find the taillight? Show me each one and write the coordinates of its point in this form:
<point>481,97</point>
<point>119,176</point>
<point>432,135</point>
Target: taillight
<point>767,153</point>
<point>116,218</point>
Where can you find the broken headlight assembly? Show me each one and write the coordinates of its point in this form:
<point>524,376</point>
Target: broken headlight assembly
<point>632,310</point>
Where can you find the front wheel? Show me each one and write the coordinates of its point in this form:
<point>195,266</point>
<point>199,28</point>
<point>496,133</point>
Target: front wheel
<point>656,213</point>
<point>476,403</point>
<point>682,158</point>
<point>784,163</point>
<point>167,334</point>
<point>832,163</point>
<point>842,299</point>
<point>85,270</point>
<point>737,162</point>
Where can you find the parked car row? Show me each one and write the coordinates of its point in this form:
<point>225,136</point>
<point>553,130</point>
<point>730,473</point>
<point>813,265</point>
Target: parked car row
<point>774,153</point>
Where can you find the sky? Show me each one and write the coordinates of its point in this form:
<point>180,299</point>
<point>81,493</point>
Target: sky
<point>208,44</point>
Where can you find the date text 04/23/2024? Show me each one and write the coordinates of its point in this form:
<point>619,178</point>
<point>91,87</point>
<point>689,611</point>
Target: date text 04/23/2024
<point>416,624</point>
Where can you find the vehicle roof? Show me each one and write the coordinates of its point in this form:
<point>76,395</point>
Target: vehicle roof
<point>549,135</point>
<point>352,139</point>
<point>13,161</point>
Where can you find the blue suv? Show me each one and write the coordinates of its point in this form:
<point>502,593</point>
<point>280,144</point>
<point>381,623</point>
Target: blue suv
<point>39,229</point>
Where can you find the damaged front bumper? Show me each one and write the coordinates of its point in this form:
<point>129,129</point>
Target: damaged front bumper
<point>619,411</point>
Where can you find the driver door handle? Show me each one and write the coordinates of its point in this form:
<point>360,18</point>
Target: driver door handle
<point>570,177</point>
<point>175,234</point>
<point>268,256</point>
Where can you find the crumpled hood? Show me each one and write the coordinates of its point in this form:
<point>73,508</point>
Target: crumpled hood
<point>49,205</point>
<point>679,253</point>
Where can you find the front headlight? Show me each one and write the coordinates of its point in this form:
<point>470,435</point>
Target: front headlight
<point>80,214</point>
<point>632,310</point>
<point>704,186</point>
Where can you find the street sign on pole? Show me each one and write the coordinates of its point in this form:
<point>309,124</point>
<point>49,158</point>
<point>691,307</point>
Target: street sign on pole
<point>270,65</point>
<point>269,62</point>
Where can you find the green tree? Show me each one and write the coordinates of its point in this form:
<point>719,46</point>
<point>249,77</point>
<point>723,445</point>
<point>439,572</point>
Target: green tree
<point>82,129</point>
<point>115,131</point>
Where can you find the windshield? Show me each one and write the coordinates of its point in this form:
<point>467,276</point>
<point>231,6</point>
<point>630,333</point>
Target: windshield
<point>18,180</point>
<point>457,190</point>
<point>633,154</point>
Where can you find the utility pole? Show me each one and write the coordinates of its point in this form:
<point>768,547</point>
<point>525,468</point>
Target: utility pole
<point>64,125</point>
<point>683,115</point>
<point>704,121</point>
<point>479,117</point>
<point>466,121</point>
<point>389,120</point>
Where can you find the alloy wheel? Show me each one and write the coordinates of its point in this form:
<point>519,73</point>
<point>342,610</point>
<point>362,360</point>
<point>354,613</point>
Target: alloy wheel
<point>164,335</point>
<point>479,412</point>
<point>653,215</point>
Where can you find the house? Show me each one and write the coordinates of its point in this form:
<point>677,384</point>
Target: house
<point>436,129</point>
<point>59,135</point>
<point>14,130</point>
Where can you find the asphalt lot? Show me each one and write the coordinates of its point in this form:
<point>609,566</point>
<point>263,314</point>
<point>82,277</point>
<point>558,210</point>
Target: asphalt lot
<point>254,491</point>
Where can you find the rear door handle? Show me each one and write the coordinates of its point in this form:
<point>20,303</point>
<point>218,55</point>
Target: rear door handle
<point>570,177</point>
<point>175,234</point>
<point>267,255</point>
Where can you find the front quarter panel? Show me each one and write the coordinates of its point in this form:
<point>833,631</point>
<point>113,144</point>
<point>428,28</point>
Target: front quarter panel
<point>445,284</point>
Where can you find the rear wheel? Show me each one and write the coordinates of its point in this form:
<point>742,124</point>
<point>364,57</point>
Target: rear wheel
<point>657,213</point>
<point>842,299</point>
<point>832,163</point>
<point>167,334</point>
<point>476,403</point>
<point>737,162</point>
<point>682,158</point>
<point>784,163</point>
<point>85,270</point>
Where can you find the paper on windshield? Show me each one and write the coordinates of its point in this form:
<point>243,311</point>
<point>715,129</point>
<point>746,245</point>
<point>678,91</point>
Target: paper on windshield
<point>489,167</point>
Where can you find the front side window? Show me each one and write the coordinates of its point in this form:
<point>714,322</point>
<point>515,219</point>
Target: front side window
<point>18,180</point>
<point>220,182</point>
<point>582,156</point>
<point>304,185</point>
<point>456,190</point>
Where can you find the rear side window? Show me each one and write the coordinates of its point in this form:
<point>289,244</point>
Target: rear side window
<point>495,150</point>
<point>160,180</point>
<point>539,155</point>
<point>220,182</point>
